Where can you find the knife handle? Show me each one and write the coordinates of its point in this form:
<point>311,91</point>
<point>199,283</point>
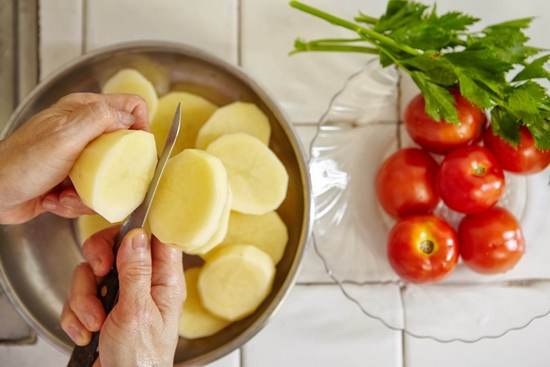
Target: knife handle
<point>107,292</point>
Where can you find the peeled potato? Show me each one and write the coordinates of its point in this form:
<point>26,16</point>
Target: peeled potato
<point>220,233</point>
<point>267,232</point>
<point>190,199</point>
<point>112,174</point>
<point>130,81</point>
<point>235,280</point>
<point>195,111</point>
<point>237,117</point>
<point>195,321</point>
<point>89,225</point>
<point>257,178</point>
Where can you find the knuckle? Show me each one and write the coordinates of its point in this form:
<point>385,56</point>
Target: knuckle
<point>134,270</point>
<point>133,311</point>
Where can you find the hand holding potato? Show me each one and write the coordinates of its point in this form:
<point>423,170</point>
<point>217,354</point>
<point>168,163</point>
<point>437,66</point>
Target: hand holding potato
<point>142,328</point>
<point>36,159</point>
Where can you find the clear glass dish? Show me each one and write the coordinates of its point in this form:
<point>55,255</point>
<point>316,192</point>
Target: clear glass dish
<point>361,127</point>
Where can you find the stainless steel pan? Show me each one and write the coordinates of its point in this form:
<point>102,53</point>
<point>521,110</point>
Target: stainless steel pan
<point>37,258</point>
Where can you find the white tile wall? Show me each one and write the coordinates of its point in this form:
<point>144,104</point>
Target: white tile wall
<point>303,83</point>
<point>317,325</point>
<point>40,354</point>
<point>529,347</point>
<point>231,360</point>
<point>207,24</point>
<point>61,33</point>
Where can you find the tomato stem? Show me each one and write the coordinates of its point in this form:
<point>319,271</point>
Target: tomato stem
<point>479,171</point>
<point>427,247</point>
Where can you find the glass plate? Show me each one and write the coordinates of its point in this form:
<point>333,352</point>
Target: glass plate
<point>359,129</point>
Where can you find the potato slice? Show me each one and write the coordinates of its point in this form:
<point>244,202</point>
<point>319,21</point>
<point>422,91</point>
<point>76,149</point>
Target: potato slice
<point>257,178</point>
<point>237,117</point>
<point>235,280</point>
<point>90,224</point>
<point>220,233</point>
<point>267,232</point>
<point>195,111</point>
<point>195,321</point>
<point>190,199</point>
<point>113,172</point>
<point>131,81</point>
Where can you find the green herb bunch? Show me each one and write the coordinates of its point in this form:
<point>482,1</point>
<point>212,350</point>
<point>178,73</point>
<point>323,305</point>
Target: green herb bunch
<point>493,68</point>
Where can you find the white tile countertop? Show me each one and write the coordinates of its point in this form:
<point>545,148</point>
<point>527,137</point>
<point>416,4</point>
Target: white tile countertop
<point>317,325</point>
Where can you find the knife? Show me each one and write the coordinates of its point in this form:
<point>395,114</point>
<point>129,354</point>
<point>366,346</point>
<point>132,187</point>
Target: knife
<point>107,289</point>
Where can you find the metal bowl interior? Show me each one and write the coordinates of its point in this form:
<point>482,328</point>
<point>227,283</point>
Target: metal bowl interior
<point>37,258</point>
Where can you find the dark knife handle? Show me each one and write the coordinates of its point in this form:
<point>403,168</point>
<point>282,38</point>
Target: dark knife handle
<point>107,292</point>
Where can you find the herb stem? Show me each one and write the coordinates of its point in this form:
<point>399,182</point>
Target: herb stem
<point>364,18</point>
<point>368,34</point>
<point>336,40</point>
<point>310,46</point>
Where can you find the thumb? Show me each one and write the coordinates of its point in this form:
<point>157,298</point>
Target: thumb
<point>134,268</point>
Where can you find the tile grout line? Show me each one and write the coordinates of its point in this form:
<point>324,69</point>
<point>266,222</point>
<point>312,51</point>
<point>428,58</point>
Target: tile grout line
<point>403,349</point>
<point>38,42</point>
<point>15,56</point>
<point>84,27</point>
<point>241,357</point>
<point>239,15</point>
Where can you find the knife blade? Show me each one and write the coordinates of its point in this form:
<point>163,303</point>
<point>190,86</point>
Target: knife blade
<point>107,290</point>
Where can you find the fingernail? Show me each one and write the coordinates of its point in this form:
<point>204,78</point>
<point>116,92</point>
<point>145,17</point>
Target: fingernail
<point>139,241</point>
<point>84,337</point>
<point>49,204</point>
<point>126,118</point>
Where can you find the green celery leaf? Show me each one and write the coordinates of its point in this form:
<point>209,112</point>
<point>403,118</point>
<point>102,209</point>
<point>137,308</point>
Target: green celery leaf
<point>399,14</point>
<point>472,91</point>
<point>520,23</point>
<point>440,104</point>
<point>457,21</point>
<point>437,69</point>
<point>534,70</point>
<point>505,125</point>
<point>525,99</point>
<point>507,41</point>
<point>423,36</point>
<point>434,32</point>
<point>483,66</point>
<point>482,59</point>
<point>541,132</point>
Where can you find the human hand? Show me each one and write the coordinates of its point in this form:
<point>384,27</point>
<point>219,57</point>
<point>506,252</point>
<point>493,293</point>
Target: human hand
<point>142,328</point>
<point>36,159</point>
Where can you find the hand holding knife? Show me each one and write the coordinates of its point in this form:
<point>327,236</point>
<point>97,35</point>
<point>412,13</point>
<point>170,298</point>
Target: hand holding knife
<point>108,288</point>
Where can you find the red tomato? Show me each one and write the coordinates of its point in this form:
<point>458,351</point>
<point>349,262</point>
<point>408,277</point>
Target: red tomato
<point>525,158</point>
<point>491,242</point>
<point>470,180</point>
<point>422,248</point>
<point>442,137</point>
<point>406,183</point>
